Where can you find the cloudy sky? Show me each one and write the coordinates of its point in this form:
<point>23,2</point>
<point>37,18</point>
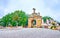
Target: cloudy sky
<point>45,7</point>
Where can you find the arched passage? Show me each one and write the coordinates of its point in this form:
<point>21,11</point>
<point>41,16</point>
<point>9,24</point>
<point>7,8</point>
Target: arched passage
<point>33,22</point>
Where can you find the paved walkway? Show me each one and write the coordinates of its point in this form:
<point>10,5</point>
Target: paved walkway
<point>29,33</point>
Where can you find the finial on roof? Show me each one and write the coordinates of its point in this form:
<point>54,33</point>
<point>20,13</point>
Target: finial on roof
<point>38,13</point>
<point>34,10</point>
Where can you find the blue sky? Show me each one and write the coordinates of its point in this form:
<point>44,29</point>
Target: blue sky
<point>45,7</point>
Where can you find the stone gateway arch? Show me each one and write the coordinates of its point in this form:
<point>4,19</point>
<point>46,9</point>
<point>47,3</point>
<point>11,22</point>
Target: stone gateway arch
<point>34,20</point>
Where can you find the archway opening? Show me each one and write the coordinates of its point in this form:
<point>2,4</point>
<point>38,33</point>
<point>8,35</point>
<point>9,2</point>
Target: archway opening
<point>33,22</point>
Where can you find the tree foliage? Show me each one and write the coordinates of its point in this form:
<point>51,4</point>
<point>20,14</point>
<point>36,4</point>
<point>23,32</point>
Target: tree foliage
<point>46,17</point>
<point>16,18</point>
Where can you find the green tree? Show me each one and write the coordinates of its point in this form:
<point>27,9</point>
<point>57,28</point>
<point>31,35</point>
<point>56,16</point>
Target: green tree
<point>46,17</point>
<point>15,18</point>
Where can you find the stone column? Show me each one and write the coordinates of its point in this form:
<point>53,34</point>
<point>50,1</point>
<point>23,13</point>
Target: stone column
<point>38,22</point>
<point>30,22</point>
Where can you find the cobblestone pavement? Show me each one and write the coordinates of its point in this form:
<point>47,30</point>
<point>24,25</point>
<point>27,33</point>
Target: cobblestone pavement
<point>29,33</point>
